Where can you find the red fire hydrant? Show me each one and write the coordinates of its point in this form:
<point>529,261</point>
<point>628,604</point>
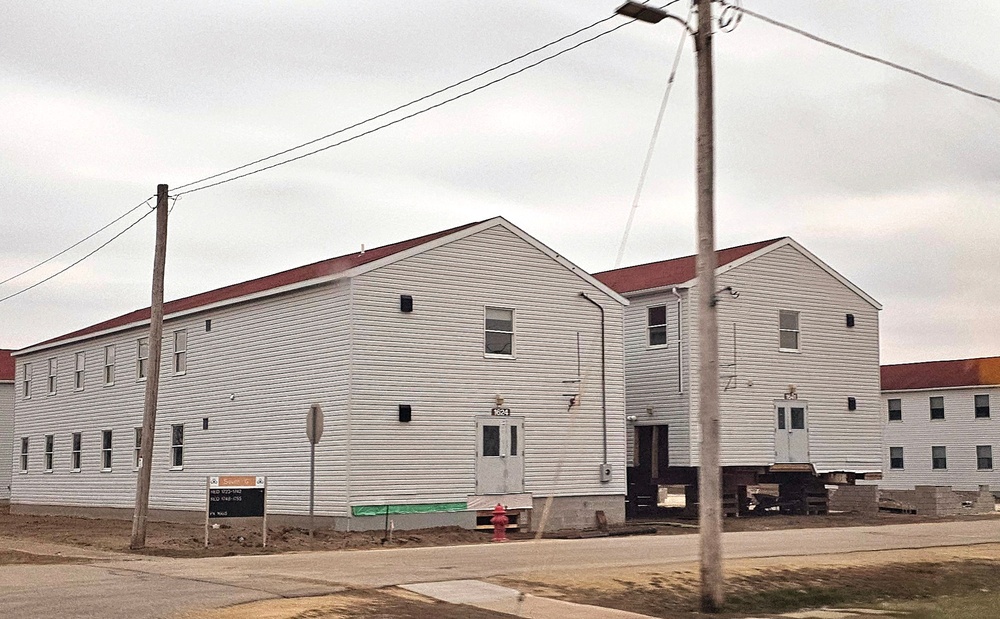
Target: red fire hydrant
<point>499,522</point>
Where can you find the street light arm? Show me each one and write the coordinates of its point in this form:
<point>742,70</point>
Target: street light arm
<point>683,23</point>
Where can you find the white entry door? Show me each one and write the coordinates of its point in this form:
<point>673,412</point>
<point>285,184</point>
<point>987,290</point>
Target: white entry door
<point>499,455</point>
<point>791,433</point>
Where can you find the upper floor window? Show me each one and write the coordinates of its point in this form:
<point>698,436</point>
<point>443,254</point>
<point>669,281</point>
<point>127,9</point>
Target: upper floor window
<point>26,381</point>
<point>982,406</point>
<point>78,372</point>
<point>939,458</point>
<point>109,364</point>
<point>75,456</point>
<point>137,457</point>
<point>177,446</point>
<point>984,457</point>
<point>53,372</point>
<point>656,325</point>
<point>895,409</point>
<point>895,457</point>
<point>24,454</point>
<point>142,359</point>
<point>180,352</point>
<point>49,447</point>
<point>499,331</point>
<point>788,330</point>
<point>937,407</point>
<point>106,450</point>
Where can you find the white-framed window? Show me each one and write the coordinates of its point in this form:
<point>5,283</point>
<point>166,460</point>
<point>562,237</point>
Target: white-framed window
<point>656,325</point>
<point>24,454</point>
<point>75,455</point>
<point>53,375</point>
<point>984,457</point>
<point>49,447</point>
<point>895,409</point>
<point>982,406</point>
<point>937,407</point>
<point>939,457</point>
<point>105,450</point>
<point>109,364</point>
<point>177,446</point>
<point>788,330</point>
<point>895,457</point>
<point>138,449</point>
<point>180,351</point>
<point>79,370</point>
<point>499,331</point>
<point>142,358</point>
<point>26,381</point>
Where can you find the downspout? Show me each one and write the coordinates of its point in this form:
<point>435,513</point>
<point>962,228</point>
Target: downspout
<point>604,381</point>
<point>680,374</point>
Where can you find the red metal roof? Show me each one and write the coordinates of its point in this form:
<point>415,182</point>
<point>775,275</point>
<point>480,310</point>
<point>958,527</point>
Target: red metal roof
<point>305,273</point>
<point>670,272</point>
<point>937,374</point>
<point>6,366</point>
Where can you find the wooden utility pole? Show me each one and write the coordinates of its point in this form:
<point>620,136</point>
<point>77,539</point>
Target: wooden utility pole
<point>152,375</point>
<point>709,472</point>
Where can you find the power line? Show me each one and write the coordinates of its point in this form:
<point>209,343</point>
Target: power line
<point>74,245</point>
<point>408,116</point>
<point>99,248</point>
<point>652,143</point>
<point>859,54</point>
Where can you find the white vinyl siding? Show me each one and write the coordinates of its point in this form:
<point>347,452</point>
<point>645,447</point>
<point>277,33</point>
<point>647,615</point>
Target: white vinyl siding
<point>961,432</point>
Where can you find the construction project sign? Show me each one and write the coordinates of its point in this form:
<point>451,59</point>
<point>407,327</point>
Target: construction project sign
<point>236,496</point>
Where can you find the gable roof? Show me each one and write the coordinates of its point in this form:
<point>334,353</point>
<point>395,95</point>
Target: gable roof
<point>6,366</point>
<point>682,272</point>
<point>666,273</point>
<point>984,371</point>
<point>313,274</point>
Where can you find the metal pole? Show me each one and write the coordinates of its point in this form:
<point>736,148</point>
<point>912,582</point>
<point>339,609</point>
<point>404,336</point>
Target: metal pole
<point>153,375</point>
<point>709,472</point>
<point>312,488</point>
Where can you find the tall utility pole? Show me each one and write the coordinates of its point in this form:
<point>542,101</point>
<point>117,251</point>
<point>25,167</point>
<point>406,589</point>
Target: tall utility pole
<point>709,471</point>
<point>152,375</point>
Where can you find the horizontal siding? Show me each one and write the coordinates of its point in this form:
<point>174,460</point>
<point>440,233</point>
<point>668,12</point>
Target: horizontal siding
<point>960,432</point>
<point>6,438</point>
<point>274,356</point>
<point>432,359</point>
<point>834,363</point>
<point>656,392</point>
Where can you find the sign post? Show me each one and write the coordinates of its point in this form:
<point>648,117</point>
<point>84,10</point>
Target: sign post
<point>236,496</point>
<point>314,430</point>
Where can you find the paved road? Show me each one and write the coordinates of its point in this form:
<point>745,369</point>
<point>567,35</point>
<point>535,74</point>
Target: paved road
<point>160,587</point>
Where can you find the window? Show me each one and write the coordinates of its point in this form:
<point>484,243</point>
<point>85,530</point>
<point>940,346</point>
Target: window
<point>798,418</point>
<point>142,359</point>
<point>788,330</point>
<point>895,409</point>
<point>109,364</point>
<point>177,446</point>
<point>895,457</point>
<point>75,459</point>
<point>27,381</point>
<point>499,331</point>
<point>49,441</point>
<point>781,418</point>
<point>24,454</point>
<point>78,373</point>
<point>491,440</point>
<point>939,458</point>
<point>982,406</point>
<point>180,352</point>
<point>984,457</point>
<point>937,407</point>
<point>106,450</point>
<point>138,448</point>
<point>656,324</point>
<point>53,370</point>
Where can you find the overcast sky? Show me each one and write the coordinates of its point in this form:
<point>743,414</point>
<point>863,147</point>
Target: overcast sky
<point>890,179</point>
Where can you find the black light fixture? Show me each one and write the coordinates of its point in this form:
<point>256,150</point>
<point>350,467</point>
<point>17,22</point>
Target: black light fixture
<point>405,303</point>
<point>208,324</point>
<point>852,404</point>
<point>405,413</point>
<point>642,12</point>
<point>204,423</point>
<point>850,320</point>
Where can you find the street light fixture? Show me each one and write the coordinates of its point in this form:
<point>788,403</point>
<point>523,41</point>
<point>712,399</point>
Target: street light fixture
<point>642,12</point>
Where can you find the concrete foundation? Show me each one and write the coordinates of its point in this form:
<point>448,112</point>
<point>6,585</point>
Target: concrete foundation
<point>577,512</point>
<point>943,501</point>
<point>858,499</point>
